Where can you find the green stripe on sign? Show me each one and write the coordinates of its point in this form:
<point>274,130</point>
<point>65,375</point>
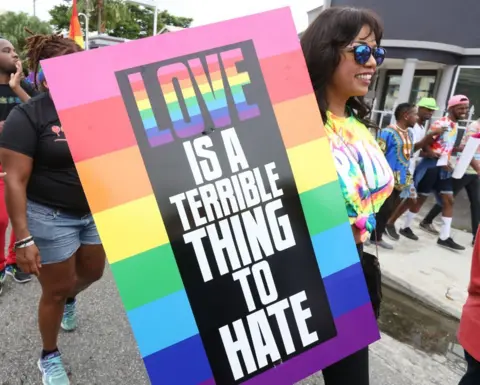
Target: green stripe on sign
<point>324,207</point>
<point>146,277</point>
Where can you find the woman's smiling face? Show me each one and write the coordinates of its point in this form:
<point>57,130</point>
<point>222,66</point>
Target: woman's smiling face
<point>350,78</point>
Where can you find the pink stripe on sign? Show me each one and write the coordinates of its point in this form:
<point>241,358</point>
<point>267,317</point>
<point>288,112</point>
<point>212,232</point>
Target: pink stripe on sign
<point>100,83</point>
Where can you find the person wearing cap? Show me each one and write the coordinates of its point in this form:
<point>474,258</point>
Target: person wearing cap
<point>425,109</point>
<point>434,174</point>
<point>469,329</point>
<point>470,182</point>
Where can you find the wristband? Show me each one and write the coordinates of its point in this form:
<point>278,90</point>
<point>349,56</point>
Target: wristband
<point>24,245</point>
<point>23,241</point>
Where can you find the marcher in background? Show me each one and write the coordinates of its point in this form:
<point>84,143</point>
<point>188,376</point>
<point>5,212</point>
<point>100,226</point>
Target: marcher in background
<point>469,331</point>
<point>57,239</point>
<point>470,181</point>
<point>431,177</point>
<point>425,109</point>
<point>342,51</point>
<point>397,142</point>
<point>13,91</point>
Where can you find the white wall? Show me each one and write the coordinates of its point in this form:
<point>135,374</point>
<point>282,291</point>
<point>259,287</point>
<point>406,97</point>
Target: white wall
<point>312,15</point>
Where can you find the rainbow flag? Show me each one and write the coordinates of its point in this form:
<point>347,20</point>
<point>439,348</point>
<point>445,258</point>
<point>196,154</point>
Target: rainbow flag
<point>75,32</point>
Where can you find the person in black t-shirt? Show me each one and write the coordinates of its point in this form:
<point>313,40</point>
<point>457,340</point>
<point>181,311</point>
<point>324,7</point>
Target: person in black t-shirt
<point>57,239</point>
<point>13,91</point>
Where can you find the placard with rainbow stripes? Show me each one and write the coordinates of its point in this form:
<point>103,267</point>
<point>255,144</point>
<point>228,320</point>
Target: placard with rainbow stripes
<point>205,163</point>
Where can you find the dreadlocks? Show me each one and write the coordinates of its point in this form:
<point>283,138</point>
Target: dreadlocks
<point>41,47</point>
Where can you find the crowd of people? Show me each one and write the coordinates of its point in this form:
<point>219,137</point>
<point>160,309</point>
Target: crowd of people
<point>381,178</point>
<point>422,162</point>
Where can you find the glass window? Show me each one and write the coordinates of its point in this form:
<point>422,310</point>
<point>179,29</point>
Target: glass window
<point>422,86</point>
<point>391,92</point>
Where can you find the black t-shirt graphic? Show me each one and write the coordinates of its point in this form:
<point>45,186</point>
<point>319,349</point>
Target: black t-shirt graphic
<point>9,99</point>
<point>33,129</point>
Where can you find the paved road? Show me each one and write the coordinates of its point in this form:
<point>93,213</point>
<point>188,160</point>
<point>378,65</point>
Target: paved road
<point>102,351</point>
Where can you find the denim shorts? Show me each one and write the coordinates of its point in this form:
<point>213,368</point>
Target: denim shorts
<point>433,181</point>
<point>58,234</point>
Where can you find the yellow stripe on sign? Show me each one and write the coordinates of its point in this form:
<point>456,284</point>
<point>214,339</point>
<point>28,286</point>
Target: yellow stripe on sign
<point>131,228</point>
<point>144,104</point>
<point>171,97</point>
<point>312,164</point>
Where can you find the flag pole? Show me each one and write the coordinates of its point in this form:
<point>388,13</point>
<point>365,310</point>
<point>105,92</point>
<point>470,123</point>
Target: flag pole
<point>86,28</point>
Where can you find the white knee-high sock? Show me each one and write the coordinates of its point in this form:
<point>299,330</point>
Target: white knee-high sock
<point>445,230</point>
<point>409,217</point>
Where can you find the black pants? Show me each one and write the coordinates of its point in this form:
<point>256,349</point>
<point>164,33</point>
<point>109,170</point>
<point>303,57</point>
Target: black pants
<point>472,377</point>
<point>471,183</point>
<point>384,214</point>
<point>354,369</point>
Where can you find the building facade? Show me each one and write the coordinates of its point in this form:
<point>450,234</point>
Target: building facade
<point>433,49</point>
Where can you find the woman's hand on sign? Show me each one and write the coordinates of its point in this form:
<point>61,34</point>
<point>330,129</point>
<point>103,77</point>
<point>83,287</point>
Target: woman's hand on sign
<point>28,259</point>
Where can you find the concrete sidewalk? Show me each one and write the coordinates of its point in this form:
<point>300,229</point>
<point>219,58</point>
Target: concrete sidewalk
<point>421,269</point>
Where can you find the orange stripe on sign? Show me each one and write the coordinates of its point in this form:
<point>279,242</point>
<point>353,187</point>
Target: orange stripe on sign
<point>299,120</point>
<point>114,179</point>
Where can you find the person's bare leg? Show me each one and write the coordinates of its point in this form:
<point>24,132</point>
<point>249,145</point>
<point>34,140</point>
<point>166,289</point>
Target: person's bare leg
<point>415,208</point>
<point>399,211</point>
<point>90,264</point>
<point>57,281</point>
<point>447,205</point>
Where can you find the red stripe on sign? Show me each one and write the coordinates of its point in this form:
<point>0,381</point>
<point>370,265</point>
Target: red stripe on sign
<point>286,76</point>
<point>106,128</point>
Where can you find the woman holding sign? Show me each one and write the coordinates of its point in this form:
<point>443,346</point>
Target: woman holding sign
<point>342,51</point>
<point>56,237</point>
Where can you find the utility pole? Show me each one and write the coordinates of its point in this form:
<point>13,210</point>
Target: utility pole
<point>34,8</point>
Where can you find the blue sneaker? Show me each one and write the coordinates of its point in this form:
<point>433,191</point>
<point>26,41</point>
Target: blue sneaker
<point>18,275</point>
<point>69,320</point>
<point>2,280</point>
<point>53,372</point>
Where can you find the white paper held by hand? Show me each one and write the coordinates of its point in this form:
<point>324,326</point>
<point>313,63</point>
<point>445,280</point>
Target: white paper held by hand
<point>466,157</point>
<point>443,160</point>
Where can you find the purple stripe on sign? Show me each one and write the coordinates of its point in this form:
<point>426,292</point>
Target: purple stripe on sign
<point>356,330</point>
<point>155,131</point>
<point>160,140</point>
<point>252,112</point>
<point>190,130</point>
<point>222,121</point>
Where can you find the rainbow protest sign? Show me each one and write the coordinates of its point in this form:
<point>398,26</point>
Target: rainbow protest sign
<point>205,163</point>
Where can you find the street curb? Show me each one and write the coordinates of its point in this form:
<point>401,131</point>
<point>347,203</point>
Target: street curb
<point>398,284</point>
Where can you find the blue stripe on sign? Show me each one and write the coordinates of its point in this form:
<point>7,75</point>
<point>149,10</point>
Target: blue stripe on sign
<point>162,323</point>
<point>183,363</point>
<point>346,290</point>
<point>335,249</point>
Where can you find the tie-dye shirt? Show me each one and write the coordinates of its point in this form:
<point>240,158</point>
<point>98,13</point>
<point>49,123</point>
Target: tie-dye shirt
<point>443,144</point>
<point>365,177</point>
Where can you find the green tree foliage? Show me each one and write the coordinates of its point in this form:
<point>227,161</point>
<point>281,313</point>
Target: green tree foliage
<point>118,18</point>
<point>12,27</point>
